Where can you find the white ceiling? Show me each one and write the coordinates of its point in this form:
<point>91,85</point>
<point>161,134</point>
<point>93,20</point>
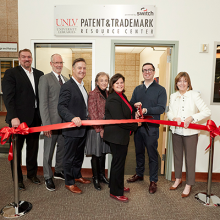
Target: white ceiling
<point>136,49</point>
<point>119,49</point>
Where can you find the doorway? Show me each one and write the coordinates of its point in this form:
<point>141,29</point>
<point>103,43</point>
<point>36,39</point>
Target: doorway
<point>128,58</point>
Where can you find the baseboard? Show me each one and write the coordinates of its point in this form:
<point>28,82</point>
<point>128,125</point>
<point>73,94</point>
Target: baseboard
<point>200,177</point>
<point>86,172</point>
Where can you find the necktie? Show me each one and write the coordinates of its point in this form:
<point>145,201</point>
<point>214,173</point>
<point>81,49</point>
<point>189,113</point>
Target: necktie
<point>60,80</point>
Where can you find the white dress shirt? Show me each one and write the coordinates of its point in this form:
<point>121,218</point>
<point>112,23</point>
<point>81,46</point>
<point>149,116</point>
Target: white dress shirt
<point>82,89</point>
<point>30,75</point>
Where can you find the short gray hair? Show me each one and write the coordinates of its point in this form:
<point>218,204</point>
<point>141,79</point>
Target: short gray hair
<point>51,59</point>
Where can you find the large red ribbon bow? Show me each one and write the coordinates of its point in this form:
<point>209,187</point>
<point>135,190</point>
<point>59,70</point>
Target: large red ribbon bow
<point>6,132</point>
<point>213,129</point>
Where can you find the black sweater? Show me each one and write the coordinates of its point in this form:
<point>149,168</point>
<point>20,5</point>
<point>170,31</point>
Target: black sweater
<point>153,98</point>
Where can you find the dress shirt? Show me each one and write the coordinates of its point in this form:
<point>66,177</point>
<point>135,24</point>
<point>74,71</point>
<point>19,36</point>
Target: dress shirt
<point>82,89</point>
<point>30,75</point>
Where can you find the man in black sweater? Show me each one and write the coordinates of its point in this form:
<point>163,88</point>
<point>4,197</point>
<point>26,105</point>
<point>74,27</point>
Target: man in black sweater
<point>153,98</point>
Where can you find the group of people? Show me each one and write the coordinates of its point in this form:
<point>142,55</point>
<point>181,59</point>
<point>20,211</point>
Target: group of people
<point>35,98</point>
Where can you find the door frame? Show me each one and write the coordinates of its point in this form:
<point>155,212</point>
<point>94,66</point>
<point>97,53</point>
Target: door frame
<point>64,41</point>
<point>174,63</point>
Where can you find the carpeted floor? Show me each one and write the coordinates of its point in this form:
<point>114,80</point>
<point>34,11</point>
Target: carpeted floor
<point>93,204</point>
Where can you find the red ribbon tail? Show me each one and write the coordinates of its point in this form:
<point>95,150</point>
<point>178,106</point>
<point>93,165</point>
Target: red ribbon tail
<point>208,147</point>
<point>10,154</point>
<point>209,144</point>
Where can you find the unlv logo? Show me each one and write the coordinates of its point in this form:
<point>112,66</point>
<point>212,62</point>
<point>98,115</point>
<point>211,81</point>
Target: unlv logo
<point>66,22</point>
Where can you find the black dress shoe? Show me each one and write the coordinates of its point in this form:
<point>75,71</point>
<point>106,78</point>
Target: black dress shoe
<point>21,186</point>
<point>135,178</point>
<point>103,179</point>
<point>59,176</point>
<point>50,184</point>
<point>34,179</point>
<point>96,183</point>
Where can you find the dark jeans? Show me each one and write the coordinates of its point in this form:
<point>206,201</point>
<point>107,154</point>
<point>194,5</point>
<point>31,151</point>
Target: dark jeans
<point>143,139</point>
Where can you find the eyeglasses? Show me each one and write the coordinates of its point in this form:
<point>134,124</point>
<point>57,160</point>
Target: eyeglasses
<point>148,71</point>
<point>57,63</point>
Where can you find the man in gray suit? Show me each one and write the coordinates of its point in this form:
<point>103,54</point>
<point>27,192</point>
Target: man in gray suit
<point>49,90</point>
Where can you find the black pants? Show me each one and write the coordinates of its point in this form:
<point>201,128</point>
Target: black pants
<point>32,141</point>
<point>116,182</point>
<point>73,158</point>
<point>143,139</point>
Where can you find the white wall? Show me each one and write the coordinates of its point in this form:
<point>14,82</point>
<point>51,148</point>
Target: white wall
<point>189,22</point>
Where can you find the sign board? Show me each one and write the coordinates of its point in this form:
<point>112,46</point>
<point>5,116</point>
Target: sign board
<point>8,47</point>
<point>104,20</point>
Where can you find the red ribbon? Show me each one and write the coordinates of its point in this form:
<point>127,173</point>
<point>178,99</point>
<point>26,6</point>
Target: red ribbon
<point>24,129</point>
<point>6,132</point>
<point>214,131</point>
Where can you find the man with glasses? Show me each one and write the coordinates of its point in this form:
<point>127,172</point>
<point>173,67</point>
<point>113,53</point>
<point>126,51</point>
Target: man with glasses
<point>153,98</point>
<point>20,95</point>
<point>49,90</point>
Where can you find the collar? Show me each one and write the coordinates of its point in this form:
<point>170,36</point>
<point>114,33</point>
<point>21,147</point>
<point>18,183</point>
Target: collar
<point>186,94</point>
<point>26,71</point>
<point>146,87</point>
<point>79,84</point>
<point>56,74</point>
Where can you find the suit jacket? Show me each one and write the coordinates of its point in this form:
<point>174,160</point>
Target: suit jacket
<point>193,106</point>
<point>96,107</point>
<point>71,104</point>
<point>18,94</point>
<point>116,108</point>
<point>49,90</point>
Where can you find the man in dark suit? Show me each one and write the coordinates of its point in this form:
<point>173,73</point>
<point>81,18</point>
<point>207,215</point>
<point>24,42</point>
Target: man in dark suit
<point>49,90</point>
<point>72,107</point>
<point>20,95</point>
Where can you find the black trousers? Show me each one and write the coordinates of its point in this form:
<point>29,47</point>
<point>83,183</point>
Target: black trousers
<point>32,142</point>
<point>116,182</point>
<point>73,158</point>
<point>143,139</point>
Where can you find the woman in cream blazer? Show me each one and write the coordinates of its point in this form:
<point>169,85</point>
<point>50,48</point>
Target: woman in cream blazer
<point>185,106</point>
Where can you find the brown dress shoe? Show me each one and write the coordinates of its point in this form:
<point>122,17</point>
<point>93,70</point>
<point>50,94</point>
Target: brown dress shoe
<point>83,180</point>
<point>134,178</point>
<point>186,195</point>
<point>152,187</point>
<point>74,188</point>
<point>173,188</point>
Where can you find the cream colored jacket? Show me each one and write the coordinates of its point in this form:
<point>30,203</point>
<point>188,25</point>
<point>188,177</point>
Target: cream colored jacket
<point>193,106</point>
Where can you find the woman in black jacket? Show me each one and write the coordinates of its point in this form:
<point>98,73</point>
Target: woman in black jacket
<point>118,107</point>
